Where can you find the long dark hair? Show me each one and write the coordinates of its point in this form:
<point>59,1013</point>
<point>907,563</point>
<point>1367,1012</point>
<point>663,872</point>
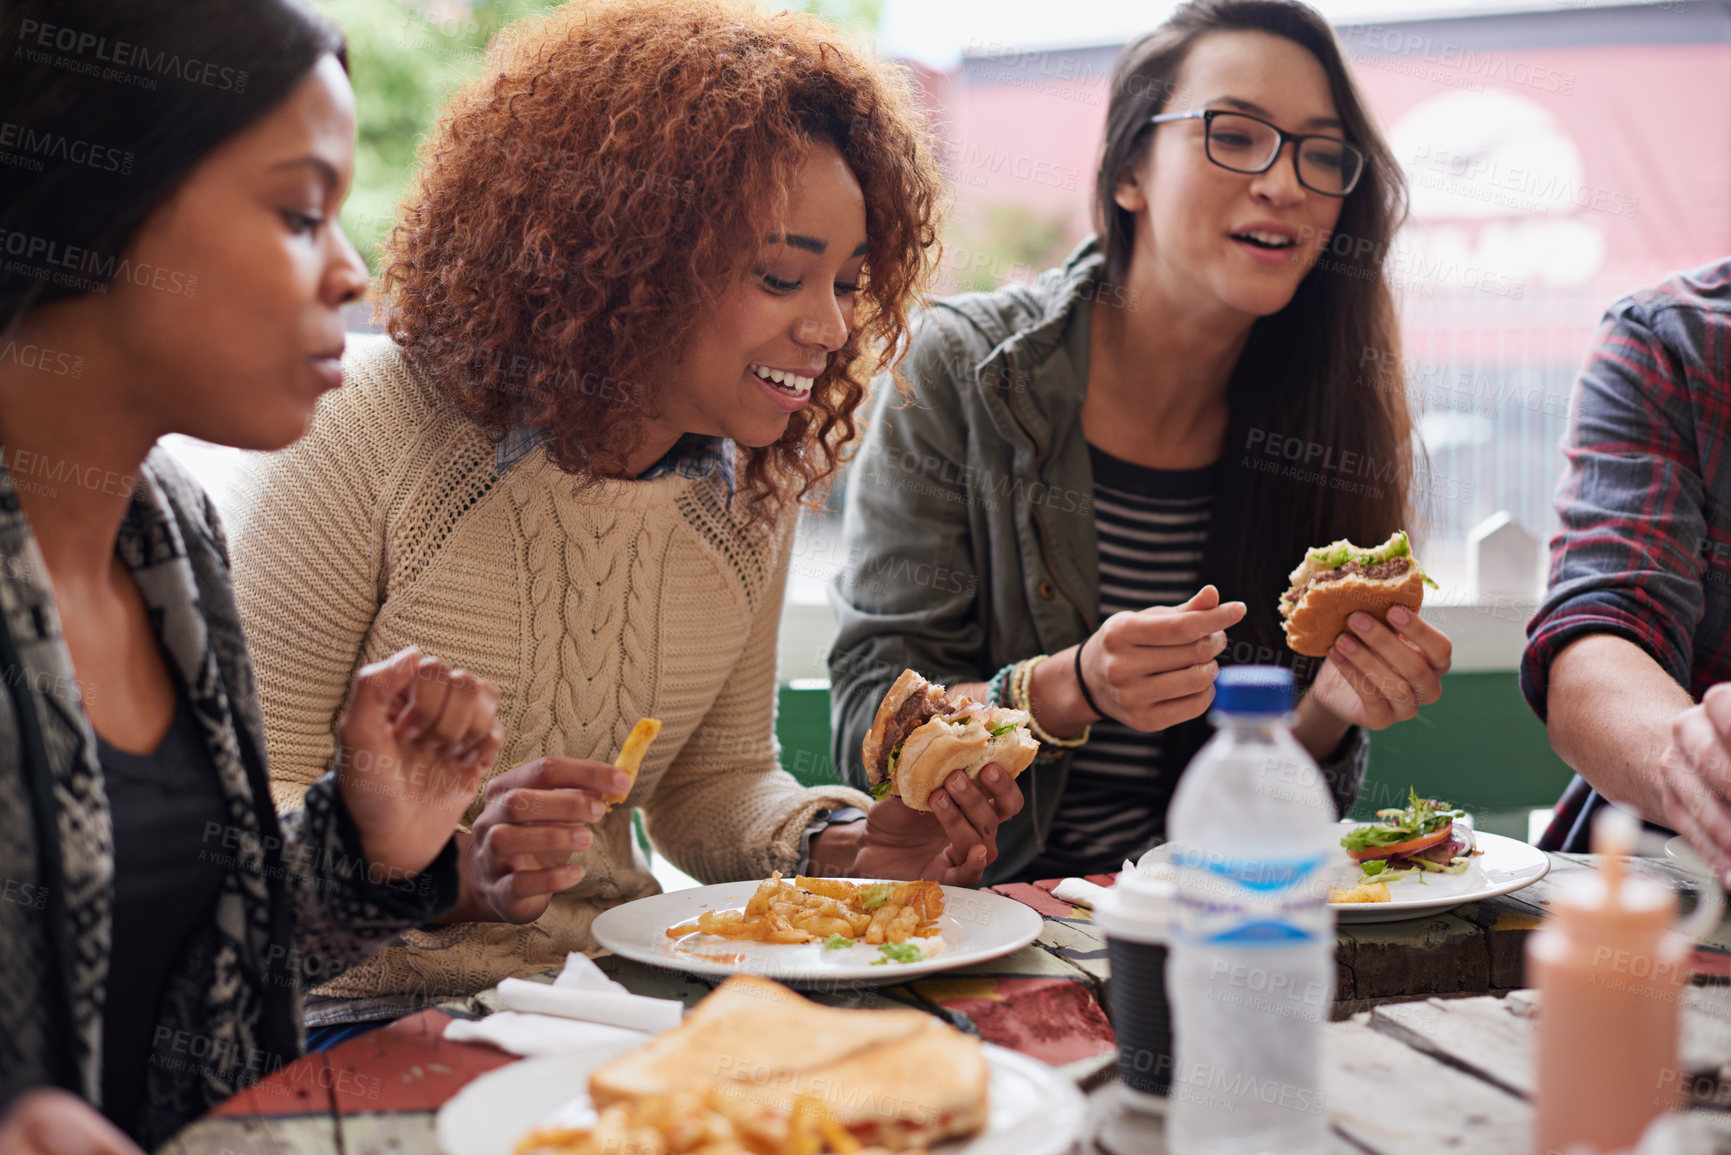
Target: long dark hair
<point>106,105</point>
<point>1319,381</point>
<point>1316,374</point>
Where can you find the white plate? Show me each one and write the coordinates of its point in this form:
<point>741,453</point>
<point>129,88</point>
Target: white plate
<point>1505,867</point>
<point>976,926</point>
<point>1678,850</point>
<point>1034,1110</point>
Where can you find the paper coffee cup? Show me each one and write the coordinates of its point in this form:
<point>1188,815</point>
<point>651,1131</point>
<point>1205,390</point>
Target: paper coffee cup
<point>1135,915</point>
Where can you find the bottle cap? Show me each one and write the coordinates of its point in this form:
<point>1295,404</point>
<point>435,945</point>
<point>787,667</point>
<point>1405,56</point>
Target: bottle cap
<point>1254,690</point>
<point>1138,908</point>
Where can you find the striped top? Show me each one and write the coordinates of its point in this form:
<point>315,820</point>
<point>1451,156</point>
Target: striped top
<point>1151,524</point>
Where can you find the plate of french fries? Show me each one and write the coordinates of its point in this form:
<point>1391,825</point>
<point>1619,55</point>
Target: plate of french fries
<point>812,930</point>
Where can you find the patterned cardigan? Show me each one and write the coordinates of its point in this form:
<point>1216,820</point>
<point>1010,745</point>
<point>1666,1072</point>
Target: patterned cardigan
<point>296,905</point>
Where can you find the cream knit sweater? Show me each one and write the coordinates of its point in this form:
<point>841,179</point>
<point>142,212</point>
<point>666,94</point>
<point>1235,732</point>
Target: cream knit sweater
<point>388,524</point>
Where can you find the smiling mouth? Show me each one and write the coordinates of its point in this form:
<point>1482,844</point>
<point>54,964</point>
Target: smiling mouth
<point>1262,240</point>
<point>791,384</point>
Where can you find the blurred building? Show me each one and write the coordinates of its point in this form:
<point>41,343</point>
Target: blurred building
<point>1556,159</point>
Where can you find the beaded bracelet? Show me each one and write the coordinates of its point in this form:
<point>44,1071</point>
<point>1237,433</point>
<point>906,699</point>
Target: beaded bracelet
<point>995,687</point>
<point>1019,699</point>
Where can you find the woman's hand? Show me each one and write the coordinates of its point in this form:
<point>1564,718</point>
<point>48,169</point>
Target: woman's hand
<point>1375,677</point>
<point>49,1121</point>
<point>413,744</point>
<point>536,818</point>
<point>1155,668</point>
<point>952,844</point>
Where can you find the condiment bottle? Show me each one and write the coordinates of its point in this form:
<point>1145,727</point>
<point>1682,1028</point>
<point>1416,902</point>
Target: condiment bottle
<point>1610,970</point>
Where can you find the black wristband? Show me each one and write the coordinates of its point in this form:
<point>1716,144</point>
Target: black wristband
<point>1083,682</point>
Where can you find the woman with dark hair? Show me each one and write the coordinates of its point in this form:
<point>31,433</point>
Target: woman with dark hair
<point>173,264</point>
<point>647,263</point>
<point>1091,447</point>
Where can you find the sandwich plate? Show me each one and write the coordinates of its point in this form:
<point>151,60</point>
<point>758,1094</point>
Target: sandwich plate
<point>1033,1110</point>
<point>976,925</point>
<point>1505,867</point>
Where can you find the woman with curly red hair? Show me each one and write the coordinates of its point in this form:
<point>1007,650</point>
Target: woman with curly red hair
<point>649,261</point>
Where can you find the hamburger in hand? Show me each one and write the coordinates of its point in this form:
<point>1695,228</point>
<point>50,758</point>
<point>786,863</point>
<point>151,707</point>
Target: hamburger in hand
<point>1336,581</point>
<point>919,738</point>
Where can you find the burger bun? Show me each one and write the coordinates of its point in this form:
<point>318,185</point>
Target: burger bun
<point>939,748</point>
<point>1320,614</point>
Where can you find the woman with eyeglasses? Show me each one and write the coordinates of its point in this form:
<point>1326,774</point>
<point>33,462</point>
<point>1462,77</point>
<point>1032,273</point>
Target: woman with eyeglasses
<point>1125,458</point>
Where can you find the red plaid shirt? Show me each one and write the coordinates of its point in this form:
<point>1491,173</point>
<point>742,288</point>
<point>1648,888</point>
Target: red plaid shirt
<point>1644,551</point>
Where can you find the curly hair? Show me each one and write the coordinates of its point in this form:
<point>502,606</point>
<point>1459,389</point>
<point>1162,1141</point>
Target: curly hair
<point>609,173</point>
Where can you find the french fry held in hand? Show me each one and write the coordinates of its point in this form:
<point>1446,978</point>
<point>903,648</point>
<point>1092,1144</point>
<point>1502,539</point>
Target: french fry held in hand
<point>630,758</point>
<point>816,908</point>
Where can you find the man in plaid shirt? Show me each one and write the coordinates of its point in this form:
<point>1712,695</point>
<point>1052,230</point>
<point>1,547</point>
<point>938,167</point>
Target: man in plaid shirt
<point>1629,659</point>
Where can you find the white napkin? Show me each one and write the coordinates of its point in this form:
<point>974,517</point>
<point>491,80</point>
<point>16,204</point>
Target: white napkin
<point>1156,862</point>
<point>582,974</point>
<point>610,1007</point>
<point>532,1035</point>
<point>583,1008</point>
<point>1079,892</point>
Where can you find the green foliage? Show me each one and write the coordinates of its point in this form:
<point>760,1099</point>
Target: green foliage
<point>1011,243</point>
<point>406,57</point>
<point>405,60</point>
<point>853,15</point>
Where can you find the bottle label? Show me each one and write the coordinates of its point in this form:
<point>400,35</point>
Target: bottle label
<point>1251,903</point>
<point>1259,874</point>
<point>1264,933</point>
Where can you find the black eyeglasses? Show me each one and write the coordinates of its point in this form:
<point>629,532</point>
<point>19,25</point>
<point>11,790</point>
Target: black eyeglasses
<point>1245,143</point>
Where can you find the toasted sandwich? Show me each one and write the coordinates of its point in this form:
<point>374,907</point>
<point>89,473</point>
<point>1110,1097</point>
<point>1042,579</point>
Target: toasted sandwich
<point>892,1078</point>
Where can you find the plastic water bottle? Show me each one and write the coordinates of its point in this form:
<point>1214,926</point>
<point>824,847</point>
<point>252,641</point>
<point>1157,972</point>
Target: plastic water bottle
<point>1250,976</point>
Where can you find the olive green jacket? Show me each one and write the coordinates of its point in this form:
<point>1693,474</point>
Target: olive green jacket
<point>969,531</point>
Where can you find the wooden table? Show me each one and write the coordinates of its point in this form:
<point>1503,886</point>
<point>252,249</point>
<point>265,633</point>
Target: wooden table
<point>1472,950</point>
<point>1455,1075</point>
<point>378,1093</point>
